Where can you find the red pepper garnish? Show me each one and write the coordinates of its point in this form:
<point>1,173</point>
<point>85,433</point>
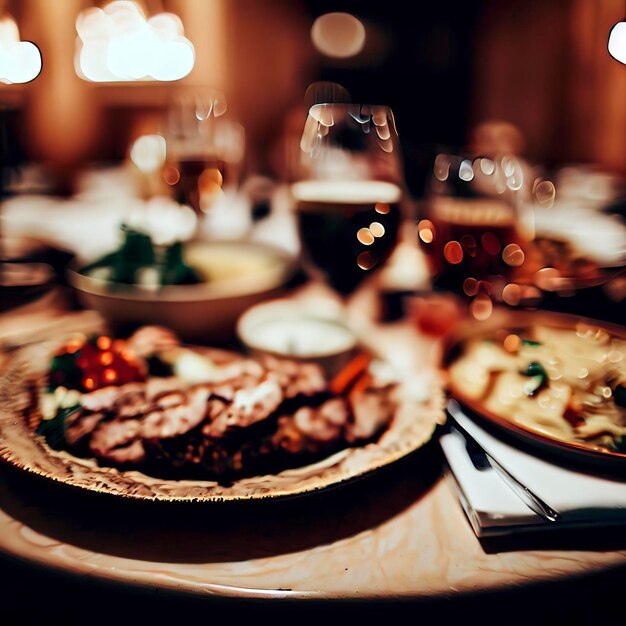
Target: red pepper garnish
<point>98,362</point>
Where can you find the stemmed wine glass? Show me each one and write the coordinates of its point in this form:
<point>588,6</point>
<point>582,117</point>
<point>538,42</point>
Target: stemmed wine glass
<point>204,148</point>
<point>348,192</point>
<point>475,231</point>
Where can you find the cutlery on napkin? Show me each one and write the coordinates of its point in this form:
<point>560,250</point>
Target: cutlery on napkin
<point>491,487</point>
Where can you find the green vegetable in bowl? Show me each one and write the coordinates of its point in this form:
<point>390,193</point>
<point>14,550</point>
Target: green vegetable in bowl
<point>139,261</point>
<point>175,271</point>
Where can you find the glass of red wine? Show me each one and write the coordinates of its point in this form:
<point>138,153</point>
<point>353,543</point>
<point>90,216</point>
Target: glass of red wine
<point>348,192</point>
<point>473,231</point>
<point>204,149</point>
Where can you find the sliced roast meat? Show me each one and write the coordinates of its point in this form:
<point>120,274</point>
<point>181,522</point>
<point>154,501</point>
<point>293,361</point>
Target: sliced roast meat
<point>133,410</point>
<point>324,423</point>
<point>105,398</point>
<point>248,407</point>
<point>158,386</point>
<point>225,391</point>
<point>174,398</point>
<point>151,340</point>
<point>296,379</point>
<point>288,436</point>
<point>170,421</point>
<point>118,441</point>
<point>242,369</point>
<point>134,452</point>
<point>81,424</point>
<point>240,416</point>
<point>372,408</point>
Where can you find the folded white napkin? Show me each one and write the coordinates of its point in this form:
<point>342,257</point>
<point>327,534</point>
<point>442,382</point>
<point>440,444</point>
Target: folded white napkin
<point>493,507</point>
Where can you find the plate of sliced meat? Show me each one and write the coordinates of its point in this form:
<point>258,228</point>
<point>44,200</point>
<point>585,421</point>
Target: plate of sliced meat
<point>147,417</point>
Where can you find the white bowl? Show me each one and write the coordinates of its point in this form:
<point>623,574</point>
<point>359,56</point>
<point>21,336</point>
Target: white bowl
<point>291,329</point>
<point>241,275</point>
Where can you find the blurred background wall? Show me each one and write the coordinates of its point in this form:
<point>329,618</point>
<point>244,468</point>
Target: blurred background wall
<point>545,67</point>
<point>442,67</point>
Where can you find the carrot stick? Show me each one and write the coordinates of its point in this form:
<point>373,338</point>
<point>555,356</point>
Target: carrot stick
<point>350,373</point>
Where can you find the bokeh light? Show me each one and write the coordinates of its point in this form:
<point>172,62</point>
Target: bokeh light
<point>513,255</point>
<point>367,260</point>
<point>617,42</point>
<point>512,294</point>
<point>426,231</point>
<point>20,61</point>
<point>470,286</point>
<point>377,229</point>
<point>118,43</point>
<point>481,307</point>
<point>453,252</point>
<point>512,343</point>
<point>338,35</point>
<point>365,236</point>
<point>491,243</point>
<point>148,153</point>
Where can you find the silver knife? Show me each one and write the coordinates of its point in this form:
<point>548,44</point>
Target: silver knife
<point>530,499</point>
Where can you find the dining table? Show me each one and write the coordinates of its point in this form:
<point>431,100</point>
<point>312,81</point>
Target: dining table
<point>394,540</point>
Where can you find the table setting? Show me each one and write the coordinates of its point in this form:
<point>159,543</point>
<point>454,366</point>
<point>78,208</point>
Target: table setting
<point>251,353</point>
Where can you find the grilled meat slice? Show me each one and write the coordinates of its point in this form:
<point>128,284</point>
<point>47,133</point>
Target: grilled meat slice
<point>296,379</point>
<point>372,409</point>
<point>80,425</point>
<point>248,407</point>
<point>171,419</point>
<point>325,423</point>
<point>118,441</point>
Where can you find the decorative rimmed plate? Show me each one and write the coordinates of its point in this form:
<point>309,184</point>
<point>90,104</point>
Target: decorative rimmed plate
<point>503,323</point>
<point>411,428</point>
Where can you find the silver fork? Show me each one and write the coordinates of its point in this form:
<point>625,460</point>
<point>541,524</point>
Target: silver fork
<point>530,499</point>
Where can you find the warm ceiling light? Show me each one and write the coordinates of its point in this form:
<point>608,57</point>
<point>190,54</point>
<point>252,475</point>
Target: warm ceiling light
<point>20,61</point>
<point>118,43</point>
<point>338,35</point>
<point>617,42</point>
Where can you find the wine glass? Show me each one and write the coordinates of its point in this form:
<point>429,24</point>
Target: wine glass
<point>204,149</point>
<point>474,232</point>
<point>348,192</point>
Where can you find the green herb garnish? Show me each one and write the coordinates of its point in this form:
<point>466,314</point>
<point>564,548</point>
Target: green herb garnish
<point>538,378</point>
<point>65,372</point>
<point>54,429</point>
<point>530,342</point>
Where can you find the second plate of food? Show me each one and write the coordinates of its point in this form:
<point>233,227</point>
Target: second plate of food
<point>556,381</point>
